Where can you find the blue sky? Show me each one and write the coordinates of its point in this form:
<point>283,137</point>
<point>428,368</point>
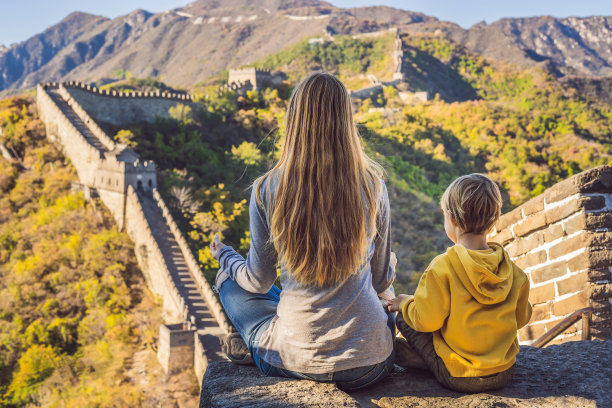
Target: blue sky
<point>19,20</point>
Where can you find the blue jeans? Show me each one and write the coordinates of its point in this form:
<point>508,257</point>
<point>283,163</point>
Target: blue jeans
<point>251,314</point>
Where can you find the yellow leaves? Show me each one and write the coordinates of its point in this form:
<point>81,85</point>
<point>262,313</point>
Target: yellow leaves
<point>35,364</point>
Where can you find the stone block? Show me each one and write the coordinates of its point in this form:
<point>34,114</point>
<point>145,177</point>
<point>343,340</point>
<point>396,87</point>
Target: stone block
<point>601,274</point>
<point>583,240</point>
<point>532,331</point>
<point>530,224</point>
<point>596,180</point>
<point>590,221</point>
<point>509,219</point>
<point>600,291</point>
<point>582,203</point>
<point>571,304</point>
<point>532,259</point>
<point>534,205</point>
<point>572,283</point>
<point>521,246</point>
<point>542,311</point>
<point>542,294</point>
<point>502,237</point>
<point>553,232</point>
<point>590,258</point>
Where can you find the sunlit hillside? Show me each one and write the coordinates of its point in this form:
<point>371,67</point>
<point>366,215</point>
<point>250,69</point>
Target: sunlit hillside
<point>78,325</point>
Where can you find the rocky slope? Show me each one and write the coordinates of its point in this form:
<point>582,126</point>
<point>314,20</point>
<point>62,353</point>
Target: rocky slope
<point>190,44</point>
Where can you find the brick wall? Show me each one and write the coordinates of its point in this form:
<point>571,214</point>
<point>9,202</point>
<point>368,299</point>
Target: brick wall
<point>563,241</point>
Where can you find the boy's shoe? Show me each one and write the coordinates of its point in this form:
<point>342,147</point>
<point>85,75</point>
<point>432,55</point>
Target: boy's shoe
<point>406,356</point>
<point>235,349</point>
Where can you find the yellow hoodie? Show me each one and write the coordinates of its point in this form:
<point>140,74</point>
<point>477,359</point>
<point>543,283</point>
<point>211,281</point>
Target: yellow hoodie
<point>474,302</point>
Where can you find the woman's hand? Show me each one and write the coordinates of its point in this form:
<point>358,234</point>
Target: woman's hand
<point>394,304</point>
<point>216,246</point>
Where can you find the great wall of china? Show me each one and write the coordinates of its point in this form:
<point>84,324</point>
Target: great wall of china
<point>127,186</point>
<point>562,238</point>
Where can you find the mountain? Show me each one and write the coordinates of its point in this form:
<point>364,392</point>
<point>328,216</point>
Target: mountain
<point>206,37</point>
<point>575,46</point>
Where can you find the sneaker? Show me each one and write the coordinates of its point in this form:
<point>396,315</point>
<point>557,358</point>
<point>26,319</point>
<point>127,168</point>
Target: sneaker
<point>406,356</point>
<point>235,349</point>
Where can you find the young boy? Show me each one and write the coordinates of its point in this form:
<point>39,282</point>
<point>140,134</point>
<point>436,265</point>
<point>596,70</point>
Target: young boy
<point>462,321</point>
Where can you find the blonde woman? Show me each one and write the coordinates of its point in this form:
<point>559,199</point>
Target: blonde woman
<point>322,216</point>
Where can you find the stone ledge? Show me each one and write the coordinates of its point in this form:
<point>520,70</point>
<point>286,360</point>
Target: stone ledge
<point>575,374</point>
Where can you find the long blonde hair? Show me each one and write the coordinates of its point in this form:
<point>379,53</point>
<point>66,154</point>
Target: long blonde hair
<point>326,203</point>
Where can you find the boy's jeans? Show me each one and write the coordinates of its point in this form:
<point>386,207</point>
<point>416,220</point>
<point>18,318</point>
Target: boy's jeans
<point>251,314</point>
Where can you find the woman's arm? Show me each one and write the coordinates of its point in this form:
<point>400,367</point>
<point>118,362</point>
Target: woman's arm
<point>383,271</point>
<point>258,272</point>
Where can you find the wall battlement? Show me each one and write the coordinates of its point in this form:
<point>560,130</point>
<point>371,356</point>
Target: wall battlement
<point>563,240</point>
<point>115,94</point>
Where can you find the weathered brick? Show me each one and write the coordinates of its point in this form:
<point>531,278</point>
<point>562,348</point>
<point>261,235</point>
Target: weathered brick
<point>553,232</point>
<point>575,224</point>
<point>502,237</point>
<point>582,240</point>
<point>542,294</point>
<point>530,224</point>
<point>598,220</point>
<point>521,246</point>
<point>572,283</point>
<point>548,272</point>
<point>596,180</point>
<point>534,205</point>
<point>591,258</point>
<point>509,219</point>
<point>532,259</point>
<point>532,331</point>
<point>571,304</point>
<point>582,203</point>
<point>600,291</point>
<point>541,312</point>
<point>602,274</point>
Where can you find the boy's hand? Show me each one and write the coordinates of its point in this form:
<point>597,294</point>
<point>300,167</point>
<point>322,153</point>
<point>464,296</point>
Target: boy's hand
<point>394,304</point>
<point>216,246</point>
<point>393,260</point>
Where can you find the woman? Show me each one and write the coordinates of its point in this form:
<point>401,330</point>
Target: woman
<point>322,215</point>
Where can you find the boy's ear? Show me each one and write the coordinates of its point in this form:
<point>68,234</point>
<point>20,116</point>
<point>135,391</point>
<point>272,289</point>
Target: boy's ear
<point>452,220</point>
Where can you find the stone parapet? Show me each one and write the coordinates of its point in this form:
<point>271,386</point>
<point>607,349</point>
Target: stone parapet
<point>563,241</point>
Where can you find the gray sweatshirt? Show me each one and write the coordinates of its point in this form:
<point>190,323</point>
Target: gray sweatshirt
<point>318,330</point>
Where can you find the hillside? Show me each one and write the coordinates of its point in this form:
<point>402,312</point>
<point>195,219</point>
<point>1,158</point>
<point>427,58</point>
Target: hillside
<point>78,325</point>
<point>190,44</point>
<point>520,126</point>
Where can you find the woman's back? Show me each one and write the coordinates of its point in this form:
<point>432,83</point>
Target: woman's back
<point>338,327</point>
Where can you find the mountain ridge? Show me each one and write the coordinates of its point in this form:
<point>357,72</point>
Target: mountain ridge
<point>200,40</point>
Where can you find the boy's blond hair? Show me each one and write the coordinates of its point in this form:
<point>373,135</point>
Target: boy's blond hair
<point>474,201</point>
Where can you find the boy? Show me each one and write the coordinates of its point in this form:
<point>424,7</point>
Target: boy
<point>462,321</point>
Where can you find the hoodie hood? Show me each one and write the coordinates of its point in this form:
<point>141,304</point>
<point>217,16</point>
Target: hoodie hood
<point>486,274</point>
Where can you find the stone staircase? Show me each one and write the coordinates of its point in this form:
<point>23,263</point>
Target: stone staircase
<point>75,120</point>
<point>195,305</point>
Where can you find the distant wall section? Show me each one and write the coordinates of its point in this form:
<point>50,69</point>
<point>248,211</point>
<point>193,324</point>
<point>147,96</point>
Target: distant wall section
<point>124,108</point>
